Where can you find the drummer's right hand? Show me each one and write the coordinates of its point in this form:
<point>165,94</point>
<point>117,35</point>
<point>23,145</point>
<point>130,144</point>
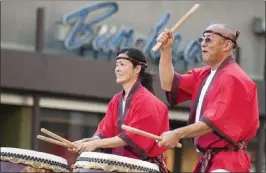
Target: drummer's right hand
<point>80,141</point>
<point>72,150</point>
<point>166,38</point>
<point>77,143</point>
<point>86,140</point>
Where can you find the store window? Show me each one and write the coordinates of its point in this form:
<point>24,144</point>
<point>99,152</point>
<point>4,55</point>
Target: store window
<point>15,126</point>
<point>70,125</point>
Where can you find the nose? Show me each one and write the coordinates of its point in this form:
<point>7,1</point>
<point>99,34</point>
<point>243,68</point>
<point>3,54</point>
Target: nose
<point>203,44</point>
<point>117,69</point>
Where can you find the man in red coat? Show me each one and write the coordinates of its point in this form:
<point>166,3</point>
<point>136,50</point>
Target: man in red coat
<point>135,106</point>
<point>224,113</point>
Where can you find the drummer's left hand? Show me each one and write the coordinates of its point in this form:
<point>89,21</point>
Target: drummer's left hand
<point>86,147</point>
<point>170,139</point>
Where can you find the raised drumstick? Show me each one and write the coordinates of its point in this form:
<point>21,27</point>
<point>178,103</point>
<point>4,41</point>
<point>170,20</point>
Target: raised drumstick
<point>178,24</point>
<point>143,133</point>
<point>59,138</point>
<point>43,138</point>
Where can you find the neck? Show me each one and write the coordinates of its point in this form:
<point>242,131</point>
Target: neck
<point>217,65</point>
<point>127,87</point>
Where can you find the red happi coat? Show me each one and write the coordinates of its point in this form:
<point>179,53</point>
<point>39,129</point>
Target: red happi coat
<point>230,108</point>
<point>142,111</point>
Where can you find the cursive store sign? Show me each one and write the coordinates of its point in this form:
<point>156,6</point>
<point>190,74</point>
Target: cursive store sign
<point>81,28</point>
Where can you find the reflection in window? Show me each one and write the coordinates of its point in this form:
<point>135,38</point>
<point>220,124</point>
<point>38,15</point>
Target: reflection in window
<point>69,125</point>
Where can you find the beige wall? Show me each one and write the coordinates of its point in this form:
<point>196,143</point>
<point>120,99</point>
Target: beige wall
<point>18,27</point>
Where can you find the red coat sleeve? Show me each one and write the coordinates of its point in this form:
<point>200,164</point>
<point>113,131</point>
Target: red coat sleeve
<point>106,126</point>
<point>232,109</point>
<point>182,87</point>
<point>148,117</point>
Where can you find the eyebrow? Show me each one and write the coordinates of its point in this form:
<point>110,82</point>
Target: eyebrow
<point>208,35</point>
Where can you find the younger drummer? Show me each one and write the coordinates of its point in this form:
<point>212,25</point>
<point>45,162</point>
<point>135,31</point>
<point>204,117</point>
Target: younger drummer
<point>135,106</point>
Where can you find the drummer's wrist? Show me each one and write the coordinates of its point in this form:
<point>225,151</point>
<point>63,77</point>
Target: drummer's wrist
<point>96,137</point>
<point>112,142</point>
<point>180,133</point>
<point>91,139</point>
<point>86,140</point>
<point>99,144</point>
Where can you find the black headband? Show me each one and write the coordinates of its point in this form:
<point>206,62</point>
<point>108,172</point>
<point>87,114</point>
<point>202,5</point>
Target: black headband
<point>228,38</point>
<point>143,64</point>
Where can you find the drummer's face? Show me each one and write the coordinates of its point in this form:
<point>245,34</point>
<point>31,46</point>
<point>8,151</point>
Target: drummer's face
<point>125,71</point>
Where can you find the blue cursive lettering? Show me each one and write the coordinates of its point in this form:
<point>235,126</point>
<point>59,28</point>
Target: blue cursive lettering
<point>110,39</point>
<point>81,31</point>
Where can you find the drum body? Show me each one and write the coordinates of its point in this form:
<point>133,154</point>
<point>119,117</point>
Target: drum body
<point>101,162</point>
<point>22,160</point>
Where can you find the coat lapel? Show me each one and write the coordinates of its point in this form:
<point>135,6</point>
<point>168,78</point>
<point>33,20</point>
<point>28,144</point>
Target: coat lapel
<point>121,114</point>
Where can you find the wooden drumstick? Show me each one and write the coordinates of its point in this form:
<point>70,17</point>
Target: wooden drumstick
<point>143,133</point>
<point>53,141</point>
<point>59,138</point>
<point>178,24</point>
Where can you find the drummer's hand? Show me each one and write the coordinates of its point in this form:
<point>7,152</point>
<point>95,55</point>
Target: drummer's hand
<point>77,143</point>
<point>170,139</point>
<point>87,146</point>
<point>166,38</point>
<point>86,140</point>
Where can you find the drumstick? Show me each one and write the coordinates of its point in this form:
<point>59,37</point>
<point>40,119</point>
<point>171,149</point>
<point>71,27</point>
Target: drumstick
<point>178,24</point>
<point>53,141</point>
<point>59,138</point>
<point>143,133</point>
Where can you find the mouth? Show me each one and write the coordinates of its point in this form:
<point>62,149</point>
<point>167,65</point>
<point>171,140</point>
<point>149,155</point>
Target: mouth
<point>204,51</point>
<point>118,75</point>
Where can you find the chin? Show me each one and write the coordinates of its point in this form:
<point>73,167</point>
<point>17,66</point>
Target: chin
<point>119,81</point>
<point>206,59</point>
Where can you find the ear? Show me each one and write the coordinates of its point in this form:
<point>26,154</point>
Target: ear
<point>137,69</point>
<point>228,46</point>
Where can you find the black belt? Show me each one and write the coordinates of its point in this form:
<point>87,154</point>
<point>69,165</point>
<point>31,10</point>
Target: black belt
<point>208,154</point>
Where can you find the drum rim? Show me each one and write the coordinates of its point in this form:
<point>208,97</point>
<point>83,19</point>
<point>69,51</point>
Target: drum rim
<point>6,154</point>
<point>125,161</point>
<point>38,154</point>
<point>102,164</point>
